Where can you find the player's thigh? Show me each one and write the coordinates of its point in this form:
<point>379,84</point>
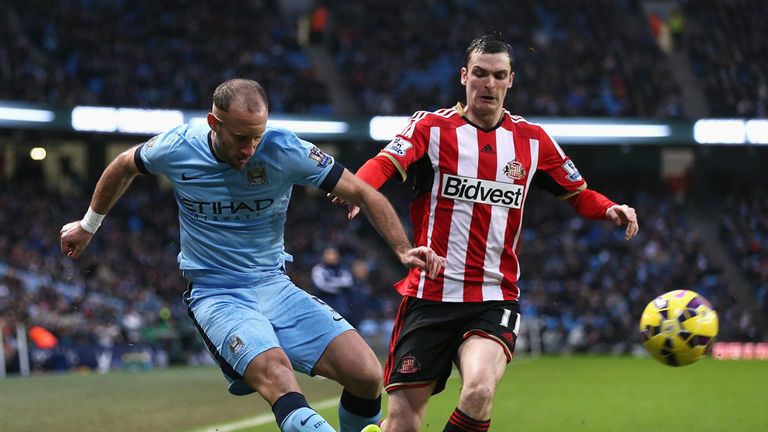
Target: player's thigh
<point>424,344</point>
<point>353,364</point>
<point>233,328</point>
<point>305,326</point>
<point>481,362</point>
<point>489,342</point>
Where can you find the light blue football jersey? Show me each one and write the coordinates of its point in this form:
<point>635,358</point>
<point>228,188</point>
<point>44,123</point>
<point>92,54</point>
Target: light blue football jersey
<point>232,222</point>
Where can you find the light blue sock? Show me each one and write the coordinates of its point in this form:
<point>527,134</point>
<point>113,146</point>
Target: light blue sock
<point>305,419</point>
<point>349,422</point>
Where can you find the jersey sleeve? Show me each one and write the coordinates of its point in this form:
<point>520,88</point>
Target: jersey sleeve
<point>409,145</point>
<point>309,165</point>
<point>155,155</point>
<point>556,172</point>
<point>376,171</point>
<point>591,204</point>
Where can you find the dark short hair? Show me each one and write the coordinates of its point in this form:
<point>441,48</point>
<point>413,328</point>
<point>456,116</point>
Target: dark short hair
<point>490,43</point>
<point>247,92</point>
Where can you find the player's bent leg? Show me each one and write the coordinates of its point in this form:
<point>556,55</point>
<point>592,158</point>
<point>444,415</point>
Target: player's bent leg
<point>351,362</point>
<point>406,408</point>
<point>271,375</point>
<point>482,363</point>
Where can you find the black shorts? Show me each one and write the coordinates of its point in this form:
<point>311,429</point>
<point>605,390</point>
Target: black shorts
<point>427,336</point>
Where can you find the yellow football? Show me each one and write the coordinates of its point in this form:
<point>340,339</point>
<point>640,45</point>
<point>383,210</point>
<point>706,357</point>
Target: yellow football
<point>677,328</point>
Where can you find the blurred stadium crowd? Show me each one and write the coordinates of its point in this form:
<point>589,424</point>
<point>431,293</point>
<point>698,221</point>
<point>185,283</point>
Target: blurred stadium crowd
<point>583,286</point>
<point>576,57</point>
<point>580,57</point>
<point>729,51</point>
<point>167,53</point>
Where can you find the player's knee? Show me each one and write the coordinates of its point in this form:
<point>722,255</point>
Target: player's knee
<point>477,395</point>
<point>409,424</point>
<point>369,368</point>
<point>374,372</point>
<point>270,369</point>
<point>399,422</point>
<point>370,378</point>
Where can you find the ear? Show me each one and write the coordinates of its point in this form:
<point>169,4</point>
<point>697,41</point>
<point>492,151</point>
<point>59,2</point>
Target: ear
<point>511,80</point>
<point>212,122</point>
<point>463,76</point>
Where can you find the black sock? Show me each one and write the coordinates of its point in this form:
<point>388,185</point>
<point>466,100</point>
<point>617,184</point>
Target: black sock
<point>359,406</point>
<point>287,404</point>
<point>460,422</point>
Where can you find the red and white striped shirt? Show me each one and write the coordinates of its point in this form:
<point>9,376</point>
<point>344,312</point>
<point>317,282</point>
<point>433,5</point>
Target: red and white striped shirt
<point>471,187</point>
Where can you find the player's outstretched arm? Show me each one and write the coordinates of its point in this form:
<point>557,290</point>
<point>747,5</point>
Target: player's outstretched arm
<point>353,209</point>
<point>376,171</point>
<point>115,179</point>
<point>591,204</point>
<point>383,217</point>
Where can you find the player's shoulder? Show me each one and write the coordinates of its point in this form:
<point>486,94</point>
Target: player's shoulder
<point>520,126</point>
<point>172,140</point>
<point>442,116</point>
<point>445,114</point>
<point>183,144</point>
<point>284,145</point>
<point>186,133</point>
<point>280,139</point>
<point>281,134</point>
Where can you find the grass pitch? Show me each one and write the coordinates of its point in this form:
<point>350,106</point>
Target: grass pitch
<point>541,394</point>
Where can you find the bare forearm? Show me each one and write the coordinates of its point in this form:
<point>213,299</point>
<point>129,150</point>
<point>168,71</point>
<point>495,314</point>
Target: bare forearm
<point>113,182</point>
<point>76,235</point>
<point>378,209</point>
<point>384,218</point>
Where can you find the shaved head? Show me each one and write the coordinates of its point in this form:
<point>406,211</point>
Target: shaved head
<point>245,94</point>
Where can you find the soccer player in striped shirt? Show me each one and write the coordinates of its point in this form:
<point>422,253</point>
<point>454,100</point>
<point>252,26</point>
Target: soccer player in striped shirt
<point>471,167</point>
<point>233,179</point>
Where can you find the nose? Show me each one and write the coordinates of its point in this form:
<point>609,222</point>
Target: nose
<point>250,149</point>
<point>491,82</point>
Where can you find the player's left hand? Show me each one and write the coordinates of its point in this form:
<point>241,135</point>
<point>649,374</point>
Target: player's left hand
<point>353,209</point>
<point>621,215</point>
<point>423,258</point>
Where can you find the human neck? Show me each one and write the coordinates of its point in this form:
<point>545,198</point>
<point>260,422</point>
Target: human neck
<point>215,146</point>
<point>486,121</point>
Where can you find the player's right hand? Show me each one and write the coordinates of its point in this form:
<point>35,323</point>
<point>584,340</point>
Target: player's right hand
<point>624,215</point>
<point>424,258</point>
<point>74,239</point>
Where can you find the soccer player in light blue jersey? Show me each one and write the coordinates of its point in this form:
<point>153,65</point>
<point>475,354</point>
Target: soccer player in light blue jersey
<point>233,179</point>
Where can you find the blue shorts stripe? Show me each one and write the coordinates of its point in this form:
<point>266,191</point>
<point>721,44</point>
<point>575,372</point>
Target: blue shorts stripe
<point>226,368</point>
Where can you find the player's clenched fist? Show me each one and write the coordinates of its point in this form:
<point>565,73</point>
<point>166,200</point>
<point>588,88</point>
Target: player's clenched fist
<point>74,239</point>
